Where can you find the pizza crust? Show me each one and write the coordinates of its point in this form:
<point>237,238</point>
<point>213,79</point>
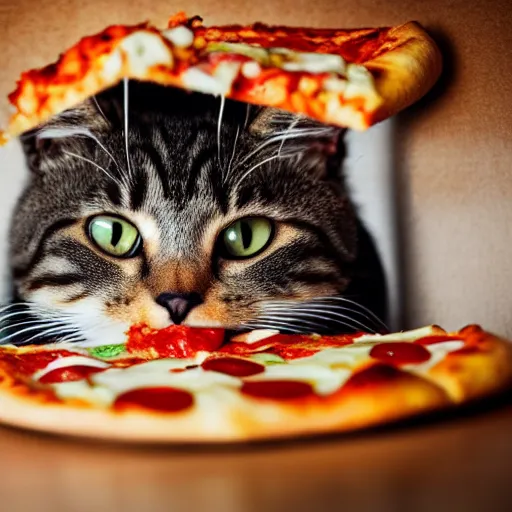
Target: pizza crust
<point>350,78</point>
<point>407,72</point>
<point>375,394</point>
<point>239,419</point>
<point>477,370</point>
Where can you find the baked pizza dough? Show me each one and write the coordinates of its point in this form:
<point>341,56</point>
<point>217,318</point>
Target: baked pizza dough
<point>183,385</point>
<point>350,78</point>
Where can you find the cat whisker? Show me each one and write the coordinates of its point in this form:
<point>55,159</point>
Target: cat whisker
<point>247,112</point>
<point>290,321</point>
<point>13,305</point>
<point>287,134</point>
<point>232,155</point>
<point>327,316</point>
<point>254,167</point>
<point>12,315</point>
<point>41,323</point>
<point>219,128</point>
<point>73,131</point>
<point>326,303</point>
<point>19,333</point>
<point>326,308</point>
<point>290,128</point>
<point>281,327</point>
<point>355,304</point>
<point>80,157</point>
<point>56,331</point>
<point>70,338</point>
<point>318,312</point>
<point>99,108</point>
<point>125,108</point>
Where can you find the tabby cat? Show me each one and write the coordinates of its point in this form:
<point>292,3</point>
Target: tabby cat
<point>153,205</point>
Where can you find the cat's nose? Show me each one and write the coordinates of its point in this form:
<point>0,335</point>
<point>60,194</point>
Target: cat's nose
<point>179,304</point>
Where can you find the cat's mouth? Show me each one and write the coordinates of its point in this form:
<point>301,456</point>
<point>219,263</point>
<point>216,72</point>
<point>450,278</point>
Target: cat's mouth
<point>22,324</point>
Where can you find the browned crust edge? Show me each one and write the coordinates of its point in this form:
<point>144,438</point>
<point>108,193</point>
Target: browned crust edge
<point>483,367</point>
<point>403,73</point>
<point>408,72</point>
<point>402,397</point>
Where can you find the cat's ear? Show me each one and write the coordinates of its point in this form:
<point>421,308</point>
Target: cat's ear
<point>319,148</point>
<point>48,145</point>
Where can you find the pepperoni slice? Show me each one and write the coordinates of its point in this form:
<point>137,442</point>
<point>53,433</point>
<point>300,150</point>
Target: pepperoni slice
<point>233,366</point>
<point>431,340</point>
<point>372,377</point>
<point>277,389</point>
<point>69,374</point>
<point>398,353</point>
<point>29,363</point>
<point>162,399</point>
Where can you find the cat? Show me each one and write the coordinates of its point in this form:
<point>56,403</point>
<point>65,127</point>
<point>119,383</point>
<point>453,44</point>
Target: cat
<point>148,204</point>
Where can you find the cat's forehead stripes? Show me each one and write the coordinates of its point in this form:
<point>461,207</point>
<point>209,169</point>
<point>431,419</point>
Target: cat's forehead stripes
<point>192,173</point>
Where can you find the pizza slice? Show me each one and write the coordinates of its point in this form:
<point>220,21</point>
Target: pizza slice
<point>350,78</point>
<point>191,385</point>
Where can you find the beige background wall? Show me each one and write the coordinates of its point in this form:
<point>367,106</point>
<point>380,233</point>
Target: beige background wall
<point>454,149</point>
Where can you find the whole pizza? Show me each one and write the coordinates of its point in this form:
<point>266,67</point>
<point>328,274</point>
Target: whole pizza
<point>182,384</point>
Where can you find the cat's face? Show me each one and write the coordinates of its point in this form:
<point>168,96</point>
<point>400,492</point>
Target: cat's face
<point>190,215</point>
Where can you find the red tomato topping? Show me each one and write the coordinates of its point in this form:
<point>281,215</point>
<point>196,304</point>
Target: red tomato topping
<point>430,340</point>
<point>372,376</point>
<point>241,348</point>
<point>69,373</point>
<point>161,399</point>
<point>277,389</point>
<point>289,346</point>
<point>174,341</point>
<point>467,350</point>
<point>400,353</point>
<point>29,363</point>
<point>291,352</point>
<point>233,366</point>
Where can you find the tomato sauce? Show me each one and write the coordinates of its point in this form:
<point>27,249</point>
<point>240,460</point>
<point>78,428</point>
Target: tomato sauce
<point>280,390</point>
<point>233,366</point>
<point>372,377</point>
<point>162,399</point>
<point>431,340</point>
<point>69,374</point>
<point>399,353</point>
<point>29,363</point>
<point>174,341</point>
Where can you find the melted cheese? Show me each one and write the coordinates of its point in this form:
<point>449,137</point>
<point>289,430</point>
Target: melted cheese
<point>438,351</point>
<point>412,335</point>
<point>63,362</point>
<point>145,50</point>
<point>95,395</point>
<point>180,36</point>
<point>324,380</point>
<point>255,335</point>
<point>350,356</point>
<point>326,371</point>
<point>122,380</point>
<point>218,84</point>
<point>251,69</point>
<point>315,63</point>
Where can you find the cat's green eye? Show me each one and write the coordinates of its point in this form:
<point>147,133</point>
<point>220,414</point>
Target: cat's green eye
<point>247,237</point>
<point>114,235</point>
